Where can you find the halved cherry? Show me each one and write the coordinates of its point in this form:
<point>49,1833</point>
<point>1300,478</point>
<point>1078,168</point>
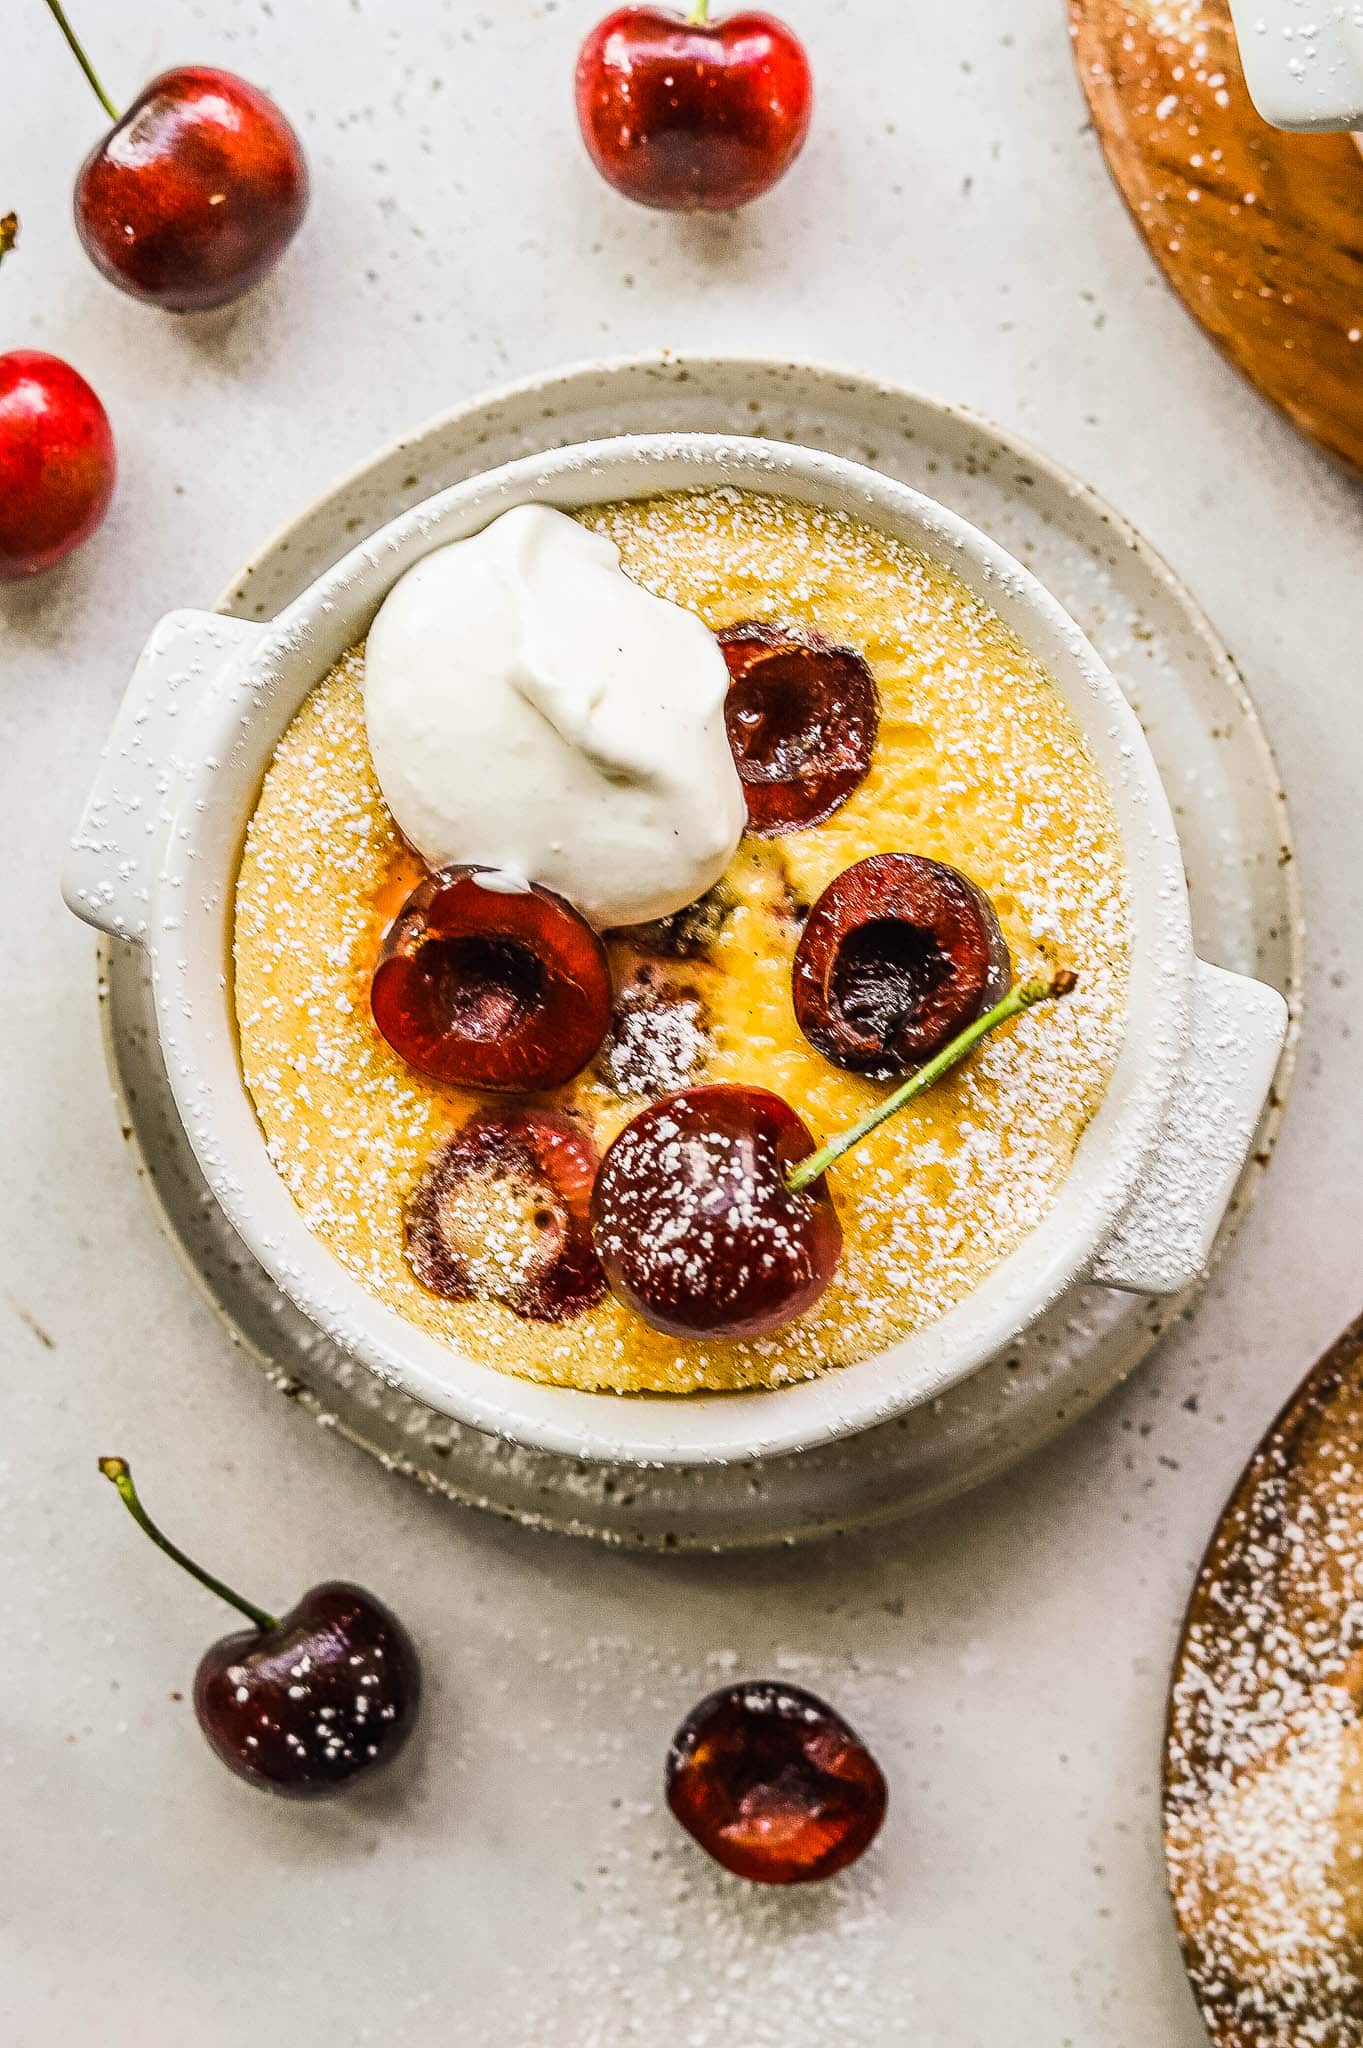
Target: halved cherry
<point>695,1226</point>
<point>502,1213</point>
<point>508,991</point>
<point>898,955</point>
<point>774,1784</point>
<point>802,716</point>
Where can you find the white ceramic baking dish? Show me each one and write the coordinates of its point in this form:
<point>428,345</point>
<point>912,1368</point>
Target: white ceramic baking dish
<point>154,862</point>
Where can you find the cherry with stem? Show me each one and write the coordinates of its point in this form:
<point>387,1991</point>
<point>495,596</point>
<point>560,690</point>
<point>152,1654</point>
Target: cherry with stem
<point>57,456</point>
<point>194,192</point>
<point>712,1215</point>
<point>300,1703</point>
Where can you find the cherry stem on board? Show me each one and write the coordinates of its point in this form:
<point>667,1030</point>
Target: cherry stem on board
<point>700,14</point>
<point>116,1469</point>
<point>9,233</point>
<point>58,13</point>
<point>1023,997</point>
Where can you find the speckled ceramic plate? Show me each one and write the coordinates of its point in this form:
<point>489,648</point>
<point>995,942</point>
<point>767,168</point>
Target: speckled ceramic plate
<point>1263,1794</point>
<point>1232,819</point>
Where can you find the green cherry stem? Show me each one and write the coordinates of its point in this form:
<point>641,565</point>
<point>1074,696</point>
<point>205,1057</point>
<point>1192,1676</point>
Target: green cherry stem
<point>9,233</point>
<point>116,1469</point>
<point>1021,998</point>
<point>700,14</point>
<point>58,14</point>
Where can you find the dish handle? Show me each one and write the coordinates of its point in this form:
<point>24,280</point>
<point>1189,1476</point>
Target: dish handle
<point>1164,1238</point>
<point>1303,67</point>
<point>116,850</point>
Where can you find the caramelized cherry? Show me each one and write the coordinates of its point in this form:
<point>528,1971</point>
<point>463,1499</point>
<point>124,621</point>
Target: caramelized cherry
<point>503,991</point>
<point>693,1221</point>
<point>802,716</point>
<point>898,955</point>
<point>502,1213</point>
<point>304,1703</point>
<point>774,1784</point>
<point>687,934</point>
<point>658,1036</point>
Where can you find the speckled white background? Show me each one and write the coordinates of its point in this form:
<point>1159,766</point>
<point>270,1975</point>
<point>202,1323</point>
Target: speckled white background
<point>951,225</point>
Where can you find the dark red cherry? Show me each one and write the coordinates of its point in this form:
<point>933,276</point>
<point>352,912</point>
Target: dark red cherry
<point>509,992</point>
<point>686,113</point>
<point>502,1213</point>
<point>695,1226</point>
<point>774,1784</point>
<point>328,1693</point>
<point>194,193</point>
<point>802,716</point>
<point>897,956</point>
<point>659,1036</point>
<point>305,1703</point>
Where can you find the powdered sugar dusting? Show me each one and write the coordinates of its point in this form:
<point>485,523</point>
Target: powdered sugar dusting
<point>978,763</point>
<point>1264,1801</point>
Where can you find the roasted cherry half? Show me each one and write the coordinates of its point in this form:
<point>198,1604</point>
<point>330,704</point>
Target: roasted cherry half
<point>502,1213</point>
<point>304,1703</point>
<point>802,716</point>
<point>488,989</point>
<point>897,956</point>
<point>695,1225</point>
<point>774,1784</point>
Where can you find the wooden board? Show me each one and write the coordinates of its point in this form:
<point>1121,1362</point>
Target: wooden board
<point>1260,233</point>
<point>1264,1754</point>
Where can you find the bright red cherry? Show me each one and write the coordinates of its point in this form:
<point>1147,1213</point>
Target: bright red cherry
<point>502,1213</point>
<point>687,114</point>
<point>194,193</point>
<point>57,459</point>
<point>802,716</point>
<point>897,955</point>
<point>488,988</point>
<point>774,1784</point>
<point>305,1703</point>
<point>56,462</point>
<point>695,1225</point>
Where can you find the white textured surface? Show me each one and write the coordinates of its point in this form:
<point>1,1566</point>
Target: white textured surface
<point>951,224</point>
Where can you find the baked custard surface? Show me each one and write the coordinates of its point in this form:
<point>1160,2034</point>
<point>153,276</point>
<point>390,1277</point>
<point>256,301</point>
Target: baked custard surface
<point>978,763</point>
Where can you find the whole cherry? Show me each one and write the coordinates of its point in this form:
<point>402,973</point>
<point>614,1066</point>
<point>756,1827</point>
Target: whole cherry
<point>194,193</point>
<point>711,1214</point>
<point>304,1703</point>
<point>688,114</point>
<point>774,1784</point>
<point>57,460</point>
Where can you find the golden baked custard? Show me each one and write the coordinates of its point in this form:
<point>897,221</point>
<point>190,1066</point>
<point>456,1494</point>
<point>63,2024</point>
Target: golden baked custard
<point>977,763</point>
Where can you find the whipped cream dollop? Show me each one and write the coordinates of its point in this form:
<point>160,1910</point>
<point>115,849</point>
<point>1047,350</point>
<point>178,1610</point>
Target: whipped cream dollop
<point>532,710</point>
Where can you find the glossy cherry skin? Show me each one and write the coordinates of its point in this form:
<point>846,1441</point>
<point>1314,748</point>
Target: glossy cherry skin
<point>897,956</point>
<point>774,1784</point>
<point>509,992</point>
<point>195,193</point>
<point>802,717</point>
<point>502,1213</point>
<point>691,117</point>
<point>693,1221</point>
<point>57,462</point>
<point>305,1708</point>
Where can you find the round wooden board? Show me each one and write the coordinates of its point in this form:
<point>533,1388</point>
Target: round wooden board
<point>1259,232</point>
<point>1263,1805</point>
